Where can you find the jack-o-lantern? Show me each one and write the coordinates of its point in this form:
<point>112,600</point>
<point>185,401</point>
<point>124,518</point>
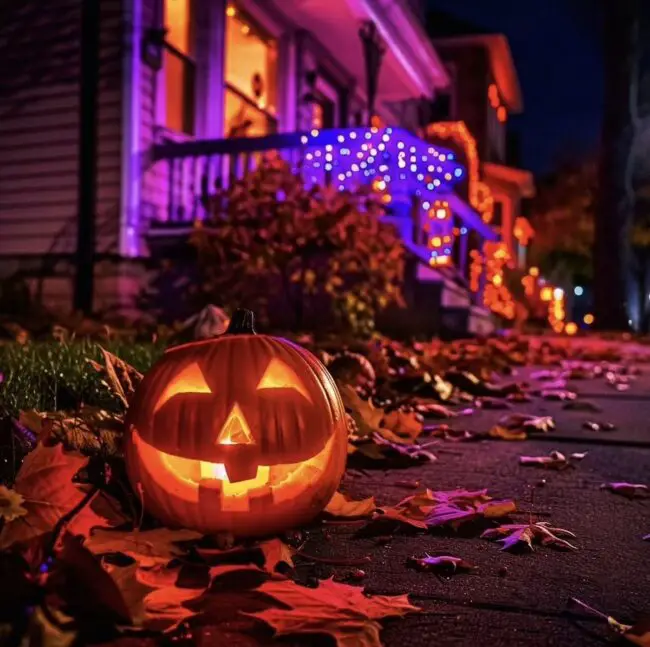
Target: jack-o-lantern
<point>243,433</point>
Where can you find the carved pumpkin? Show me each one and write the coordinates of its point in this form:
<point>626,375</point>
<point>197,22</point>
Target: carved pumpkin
<point>242,433</point>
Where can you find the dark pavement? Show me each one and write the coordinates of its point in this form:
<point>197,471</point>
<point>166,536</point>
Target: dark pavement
<point>521,599</point>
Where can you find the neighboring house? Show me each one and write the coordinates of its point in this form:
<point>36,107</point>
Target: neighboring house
<point>189,91</point>
<point>474,112</point>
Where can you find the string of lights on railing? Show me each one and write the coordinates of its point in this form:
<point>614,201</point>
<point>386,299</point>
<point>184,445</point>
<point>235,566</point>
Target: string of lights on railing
<point>399,166</point>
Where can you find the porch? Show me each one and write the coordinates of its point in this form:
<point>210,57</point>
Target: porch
<point>414,179</point>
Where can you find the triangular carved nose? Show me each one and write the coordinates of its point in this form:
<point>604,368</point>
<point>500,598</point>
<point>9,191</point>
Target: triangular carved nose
<point>235,430</point>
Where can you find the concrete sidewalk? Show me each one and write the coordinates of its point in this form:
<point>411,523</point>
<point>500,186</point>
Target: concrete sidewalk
<point>520,599</point>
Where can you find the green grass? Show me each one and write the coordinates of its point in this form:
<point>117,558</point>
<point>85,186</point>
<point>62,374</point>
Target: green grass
<point>51,376</point>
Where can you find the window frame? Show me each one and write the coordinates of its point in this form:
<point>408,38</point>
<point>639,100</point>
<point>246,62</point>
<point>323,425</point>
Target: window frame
<point>272,118</point>
<point>189,66</point>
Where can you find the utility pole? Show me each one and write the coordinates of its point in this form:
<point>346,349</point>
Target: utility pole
<point>87,174</point>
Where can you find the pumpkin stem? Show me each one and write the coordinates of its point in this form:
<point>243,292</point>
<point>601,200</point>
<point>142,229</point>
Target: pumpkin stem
<point>242,323</point>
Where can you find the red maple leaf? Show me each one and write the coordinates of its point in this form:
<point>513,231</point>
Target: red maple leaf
<point>45,482</point>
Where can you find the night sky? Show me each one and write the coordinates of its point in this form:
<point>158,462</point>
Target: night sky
<point>556,49</point>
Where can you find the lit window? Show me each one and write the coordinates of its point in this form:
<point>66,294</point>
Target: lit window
<point>179,66</point>
<point>251,78</point>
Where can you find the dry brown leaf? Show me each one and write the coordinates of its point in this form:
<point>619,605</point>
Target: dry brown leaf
<point>120,377</point>
<point>148,547</point>
<point>11,504</point>
<point>629,490</point>
<point>132,590</point>
<point>45,482</point>
<point>555,460</point>
<point>338,610</point>
<point>276,552</point>
<point>91,431</point>
<point>502,433</point>
<point>407,425</point>
<point>164,608</point>
<point>637,634</point>
<point>515,536</point>
<point>41,632</point>
<point>340,506</point>
<point>366,416</point>
<point>432,509</point>
<point>440,564</point>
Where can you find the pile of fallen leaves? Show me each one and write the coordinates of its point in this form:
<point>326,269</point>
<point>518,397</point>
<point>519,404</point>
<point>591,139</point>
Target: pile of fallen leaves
<point>74,567</point>
<point>80,561</point>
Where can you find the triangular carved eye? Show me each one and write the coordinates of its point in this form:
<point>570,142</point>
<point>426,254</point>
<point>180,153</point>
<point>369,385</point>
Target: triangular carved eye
<point>280,376</point>
<point>189,380</point>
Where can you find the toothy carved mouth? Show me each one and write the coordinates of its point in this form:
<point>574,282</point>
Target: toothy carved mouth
<point>192,479</point>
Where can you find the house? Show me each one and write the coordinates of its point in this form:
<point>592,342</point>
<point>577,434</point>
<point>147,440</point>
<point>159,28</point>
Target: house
<point>472,115</point>
<point>188,93</point>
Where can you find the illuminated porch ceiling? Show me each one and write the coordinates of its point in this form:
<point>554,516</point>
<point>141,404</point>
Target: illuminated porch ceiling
<point>411,68</point>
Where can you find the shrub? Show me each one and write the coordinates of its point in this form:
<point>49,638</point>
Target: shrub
<point>302,257</point>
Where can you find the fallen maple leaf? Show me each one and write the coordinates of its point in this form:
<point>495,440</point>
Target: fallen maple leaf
<point>164,610</point>
<point>148,547</point>
<point>11,504</point>
<point>637,634</point>
<point>340,506</point>
<point>539,423</point>
<point>432,509</point>
<point>132,590</point>
<point>629,490</point>
<point>120,378</point>
<point>503,433</point>
<point>407,425</point>
<point>366,416</point>
<point>338,610</point>
<point>276,552</point>
<point>558,394</point>
<point>555,460</point>
<point>42,632</point>
<point>91,431</point>
<point>439,563</point>
<point>517,535</point>
<point>45,483</point>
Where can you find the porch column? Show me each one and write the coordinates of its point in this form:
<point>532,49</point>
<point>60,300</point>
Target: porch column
<point>401,210</point>
<point>210,68</point>
<point>288,82</point>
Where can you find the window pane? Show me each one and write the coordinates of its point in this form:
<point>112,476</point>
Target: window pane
<point>251,62</point>
<point>179,91</point>
<point>178,24</point>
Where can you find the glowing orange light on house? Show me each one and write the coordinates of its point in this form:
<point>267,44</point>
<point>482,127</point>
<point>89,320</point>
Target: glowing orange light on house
<point>436,241</point>
<point>497,280</point>
<point>558,327</point>
<point>231,11</point>
<point>502,114</point>
<point>588,319</point>
<point>534,271</point>
<point>546,294</point>
<point>493,95</point>
<point>523,231</point>
<point>571,328</point>
<point>480,196</point>
<point>475,270</point>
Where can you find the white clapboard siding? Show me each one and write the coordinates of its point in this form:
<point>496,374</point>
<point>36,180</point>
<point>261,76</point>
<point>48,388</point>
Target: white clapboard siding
<point>39,121</point>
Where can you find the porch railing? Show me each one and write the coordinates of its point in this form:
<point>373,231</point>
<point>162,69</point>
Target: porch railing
<point>197,168</point>
<point>418,172</point>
